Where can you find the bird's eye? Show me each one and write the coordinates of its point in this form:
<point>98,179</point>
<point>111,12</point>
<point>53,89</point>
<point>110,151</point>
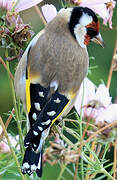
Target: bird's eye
<point>90,30</point>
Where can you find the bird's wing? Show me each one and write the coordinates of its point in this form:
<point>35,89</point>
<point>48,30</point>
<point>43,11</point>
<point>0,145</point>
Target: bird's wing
<point>20,74</point>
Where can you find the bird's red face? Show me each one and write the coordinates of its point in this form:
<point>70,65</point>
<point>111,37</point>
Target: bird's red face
<point>94,29</point>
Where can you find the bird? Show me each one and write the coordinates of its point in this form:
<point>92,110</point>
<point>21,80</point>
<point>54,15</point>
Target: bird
<point>49,75</point>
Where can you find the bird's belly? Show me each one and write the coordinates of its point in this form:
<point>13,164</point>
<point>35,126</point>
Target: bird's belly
<point>70,81</point>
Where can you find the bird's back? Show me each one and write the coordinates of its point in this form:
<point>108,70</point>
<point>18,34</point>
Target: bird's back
<point>59,57</point>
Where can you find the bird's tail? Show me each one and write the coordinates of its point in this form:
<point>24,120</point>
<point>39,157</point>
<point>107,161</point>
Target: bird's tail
<point>32,162</point>
<point>33,155</point>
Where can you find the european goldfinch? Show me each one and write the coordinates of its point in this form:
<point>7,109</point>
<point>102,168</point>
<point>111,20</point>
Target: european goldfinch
<point>50,73</point>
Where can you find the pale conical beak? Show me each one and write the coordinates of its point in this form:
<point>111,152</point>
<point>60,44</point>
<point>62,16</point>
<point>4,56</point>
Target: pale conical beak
<point>98,40</point>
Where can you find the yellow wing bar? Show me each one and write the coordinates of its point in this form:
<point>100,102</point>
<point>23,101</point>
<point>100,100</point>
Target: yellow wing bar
<point>28,101</point>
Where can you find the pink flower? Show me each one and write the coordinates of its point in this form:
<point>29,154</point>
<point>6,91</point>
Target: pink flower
<point>110,7</point>
<point>4,147</point>
<point>84,95</point>
<point>108,115</point>
<point>102,7</point>
<point>22,4</point>
<point>49,12</point>
<point>102,95</point>
<point>97,104</point>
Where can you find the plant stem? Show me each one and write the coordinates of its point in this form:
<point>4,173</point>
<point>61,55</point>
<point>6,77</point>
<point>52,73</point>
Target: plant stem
<point>8,122</point>
<point>81,144</point>
<point>99,131</point>
<point>16,112</point>
<point>111,67</point>
<point>115,160</point>
<point>87,177</point>
<point>66,139</point>
<point>106,173</point>
<point>99,147</point>
<point>62,171</point>
<point>81,135</point>
<point>40,15</point>
<point>104,151</point>
<point>5,66</point>
<point>101,170</point>
<point>87,123</point>
<point>12,151</point>
<point>18,121</point>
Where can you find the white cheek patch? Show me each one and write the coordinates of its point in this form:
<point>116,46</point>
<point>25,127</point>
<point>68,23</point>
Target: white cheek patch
<point>85,19</point>
<point>80,32</point>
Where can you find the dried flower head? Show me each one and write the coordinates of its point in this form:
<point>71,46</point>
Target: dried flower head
<point>59,151</point>
<point>14,34</point>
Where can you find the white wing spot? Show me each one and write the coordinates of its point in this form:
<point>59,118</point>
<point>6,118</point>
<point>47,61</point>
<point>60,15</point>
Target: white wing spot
<point>33,167</point>
<point>34,116</point>
<point>35,133</point>
<point>57,100</point>
<point>37,106</point>
<point>26,165</point>
<point>35,145</point>
<point>40,128</point>
<point>41,94</point>
<point>46,122</point>
<point>27,143</point>
<point>51,113</point>
<point>28,171</point>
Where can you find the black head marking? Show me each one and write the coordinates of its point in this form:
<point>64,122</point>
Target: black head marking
<point>91,13</point>
<point>76,14</point>
<point>74,19</point>
<point>91,32</point>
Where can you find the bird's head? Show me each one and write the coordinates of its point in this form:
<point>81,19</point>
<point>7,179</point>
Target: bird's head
<point>84,26</point>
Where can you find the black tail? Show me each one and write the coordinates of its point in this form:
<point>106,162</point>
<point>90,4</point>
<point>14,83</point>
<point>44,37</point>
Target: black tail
<point>32,162</point>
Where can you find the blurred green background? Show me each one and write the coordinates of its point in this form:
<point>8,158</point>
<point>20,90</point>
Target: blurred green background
<point>102,60</point>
